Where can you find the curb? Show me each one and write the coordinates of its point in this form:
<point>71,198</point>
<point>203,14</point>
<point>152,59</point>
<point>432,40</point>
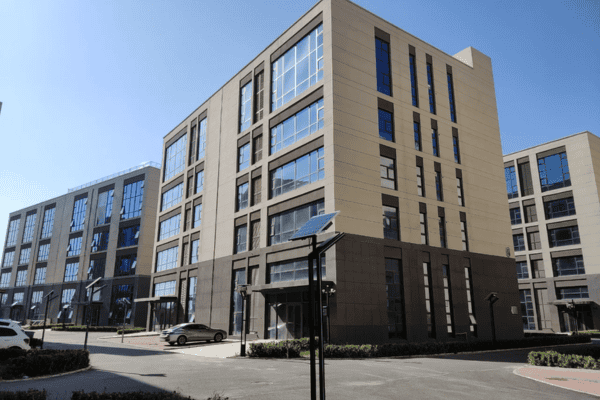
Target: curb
<point>515,371</point>
<point>48,376</point>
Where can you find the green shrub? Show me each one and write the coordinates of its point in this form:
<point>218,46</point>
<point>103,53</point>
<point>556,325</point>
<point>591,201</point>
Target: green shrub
<point>282,349</point>
<point>48,326</point>
<point>556,359</point>
<point>131,330</point>
<point>35,343</point>
<point>127,396</point>
<point>31,394</point>
<point>43,362</point>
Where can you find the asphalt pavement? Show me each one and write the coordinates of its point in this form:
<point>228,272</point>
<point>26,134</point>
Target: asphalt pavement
<point>126,367</point>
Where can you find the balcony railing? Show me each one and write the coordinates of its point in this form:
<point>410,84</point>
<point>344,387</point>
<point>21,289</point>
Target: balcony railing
<point>142,165</point>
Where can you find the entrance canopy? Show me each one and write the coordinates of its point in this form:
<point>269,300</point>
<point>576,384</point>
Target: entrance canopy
<point>570,301</point>
<point>285,286</point>
<point>156,299</point>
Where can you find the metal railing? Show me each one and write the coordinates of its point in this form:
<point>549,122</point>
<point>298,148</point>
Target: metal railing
<point>142,165</point>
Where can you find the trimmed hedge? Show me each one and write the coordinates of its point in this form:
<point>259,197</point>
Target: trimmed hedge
<point>31,394</point>
<point>131,330</point>
<point>48,326</point>
<point>14,364</point>
<point>556,359</point>
<point>81,328</point>
<point>127,396</point>
<point>280,349</point>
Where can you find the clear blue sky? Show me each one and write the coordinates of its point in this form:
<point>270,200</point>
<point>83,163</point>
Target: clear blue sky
<point>91,87</point>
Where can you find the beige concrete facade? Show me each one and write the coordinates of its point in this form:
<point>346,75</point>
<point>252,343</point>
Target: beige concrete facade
<point>544,280</point>
<point>352,148</point>
<point>59,240</point>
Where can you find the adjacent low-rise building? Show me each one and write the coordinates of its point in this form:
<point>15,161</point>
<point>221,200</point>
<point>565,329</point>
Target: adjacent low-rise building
<point>103,229</point>
<point>343,112</point>
<point>553,195</point>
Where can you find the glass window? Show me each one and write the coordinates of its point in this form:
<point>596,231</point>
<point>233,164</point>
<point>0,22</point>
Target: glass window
<point>394,288</point>
<point>246,106</point>
<point>259,89</point>
<point>71,271</point>
<point>460,192</point>
<point>4,299</point>
<point>13,229</point>
<point>129,236</point>
<point>430,87</point>
<point>169,227</point>
<point>530,213</point>
<point>522,271</point>
<point>577,292</point>
<point>191,300</point>
<point>255,243</point>
<point>256,190</point>
<point>167,259</point>
<point>298,126</point>
<point>172,197</point>
<point>164,288</point>
<point>298,69</point>
<point>423,223</point>
<point>100,241</point>
<point>241,234</point>
<point>202,139</point>
<point>9,258</point>
<point>439,191</point>
<point>48,223</point>
<point>527,309</point>
<point>537,267</point>
<point>384,76</point>
<point>435,140</point>
<point>387,171</point>
<point>470,308</point>
<point>195,251</point>
<point>293,270</point>
<point>391,229</point>
<point>511,182</point>
<point>5,279</point>
<point>118,305</point>
<point>244,157</point>
<point>417,132</point>
<point>79,208</point>
<point>464,236</point>
<point>554,171</point>
<point>386,125</point>
<point>25,256</point>
<point>104,207</point>
<point>564,266</point>
<point>448,300</point>
<point>197,216</point>
<point>36,300</point>
<point>21,278</point>
<point>175,158</point>
<point>67,296</point>
<point>442,225</point>
<point>519,242</point>
<point>242,196</point>
<point>559,208</point>
<point>285,224</point>
<point>456,149</point>
<point>193,148</point>
<point>190,187</point>
<point>420,184</point>
<point>40,276</point>
<point>257,144</point>
<point>535,242</point>
<point>74,247</point>
<point>200,181</point>
<point>413,80</point>
<point>451,98</point>
<point>133,195</point>
<point>29,225</point>
<point>238,278</point>
<point>295,174</point>
<point>515,216</point>
<point>96,268</point>
<point>564,236</point>
<point>43,252</point>
<point>125,265</point>
<point>525,179</point>
<point>429,300</point>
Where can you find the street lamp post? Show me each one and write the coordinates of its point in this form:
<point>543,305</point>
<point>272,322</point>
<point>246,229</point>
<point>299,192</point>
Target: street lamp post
<point>93,291</point>
<point>492,298</point>
<point>572,307</point>
<point>48,300</point>
<point>243,291</point>
<point>329,290</point>
<point>126,303</point>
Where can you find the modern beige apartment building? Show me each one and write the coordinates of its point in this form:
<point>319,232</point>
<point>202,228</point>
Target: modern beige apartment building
<point>553,192</point>
<point>343,112</point>
<point>103,229</point>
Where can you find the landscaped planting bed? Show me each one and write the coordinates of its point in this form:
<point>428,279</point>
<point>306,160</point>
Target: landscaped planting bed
<point>82,328</point>
<point>587,357</point>
<point>31,394</point>
<point>298,347</point>
<point>17,363</point>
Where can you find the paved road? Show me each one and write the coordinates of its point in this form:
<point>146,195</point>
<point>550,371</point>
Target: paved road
<point>118,368</point>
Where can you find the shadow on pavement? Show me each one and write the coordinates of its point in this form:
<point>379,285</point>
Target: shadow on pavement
<point>112,350</point>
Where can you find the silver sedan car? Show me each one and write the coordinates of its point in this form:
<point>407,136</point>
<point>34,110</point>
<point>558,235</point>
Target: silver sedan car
<point>190,332</point>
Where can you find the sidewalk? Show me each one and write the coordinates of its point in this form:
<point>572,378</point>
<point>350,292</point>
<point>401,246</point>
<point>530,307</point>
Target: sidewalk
<point>580,380</point>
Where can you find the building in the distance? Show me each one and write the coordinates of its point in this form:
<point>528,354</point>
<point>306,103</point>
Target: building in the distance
<point>343,112</point>
<point>553,196</point>
<point>103,229</point>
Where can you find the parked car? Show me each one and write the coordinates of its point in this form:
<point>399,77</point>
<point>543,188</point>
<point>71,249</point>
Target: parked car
<point>189,332</point>
<point>13,337</point>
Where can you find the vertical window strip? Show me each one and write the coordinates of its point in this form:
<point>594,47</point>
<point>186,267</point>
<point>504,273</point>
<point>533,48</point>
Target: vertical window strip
<point>394,288</point>
<point>192,155</point>
<point>202,139</point>
<point>242,196</point>
<point>13,229</point>
<point>71,271</point>
<point>48,223</point>
<point>9,258</point>
<point>451,98</point>
<point>133,195</point>
<point>197,216</point>
<point>387,171</point>
<point>29,225</point>
<point>435,142</point>
<point>195,251</point>
<point>438,186</point>
<point>527,309</point>
<point>241,234</point>
<point>456,149</point>
<point>460,192</point>
<point>470,297</point>
<point>413,80</point>
<point>40,276</point>
<point>429,300</point>
<point>175,158</point>
<point>79,208</point>
<point>448,300</point>
<point>423,223</point>
<point>200,181</point>
<point>255,235</point>
<point>43,252</point>
<point>391,227</point>
<point>417,134</point>
<point>431,88</point>
<point>246,106</point>
<point>244,157</point>
<point>384,77</point>
<point>259,89</point>
<point>442,225</point>
<point>386,125</point>
<point>420,181</point>
<point>256,190</point>
<point>463,235</point>
<point>511,182</point>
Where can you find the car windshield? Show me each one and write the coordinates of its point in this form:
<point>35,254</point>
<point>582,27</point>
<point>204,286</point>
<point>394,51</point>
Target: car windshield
<point>179,326</point>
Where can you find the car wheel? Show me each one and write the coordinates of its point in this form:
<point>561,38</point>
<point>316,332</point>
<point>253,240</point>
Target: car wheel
<point>171,343</point>
<point>15,347</point>
<point>218,337</point>
<point>181,340</point>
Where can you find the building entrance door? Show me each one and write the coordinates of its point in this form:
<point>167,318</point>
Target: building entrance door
<point>582,321</point>
<point>286,316</point>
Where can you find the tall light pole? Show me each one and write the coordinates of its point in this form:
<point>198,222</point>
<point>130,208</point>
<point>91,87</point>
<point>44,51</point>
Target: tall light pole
<point>93,291</point>
<point>48,300</point>
<point>492,298</point>
<point>125,302</point>
<point>243,291</point>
